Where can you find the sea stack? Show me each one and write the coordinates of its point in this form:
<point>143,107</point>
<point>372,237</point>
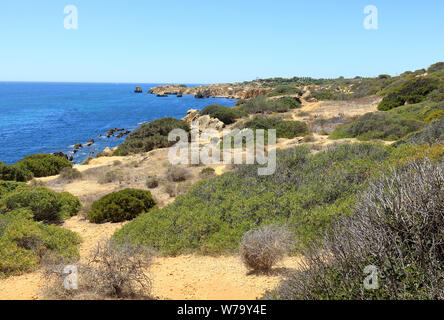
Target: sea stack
<point>138,90</point>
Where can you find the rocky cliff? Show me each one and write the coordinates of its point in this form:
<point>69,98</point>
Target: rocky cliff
<point>235,91</point>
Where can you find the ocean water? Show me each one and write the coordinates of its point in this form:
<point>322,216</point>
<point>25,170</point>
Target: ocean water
<point>52,117</point>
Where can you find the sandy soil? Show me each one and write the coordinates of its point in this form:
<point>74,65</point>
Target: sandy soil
<point>182,277</point>
<point>212,278</point>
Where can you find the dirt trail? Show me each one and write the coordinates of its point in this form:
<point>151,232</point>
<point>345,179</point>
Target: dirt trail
<point>212,278</point>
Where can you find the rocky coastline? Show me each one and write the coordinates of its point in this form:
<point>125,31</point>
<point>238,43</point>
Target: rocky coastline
<point>231,91</point>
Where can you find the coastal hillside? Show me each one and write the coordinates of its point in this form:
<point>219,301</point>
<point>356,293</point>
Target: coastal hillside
<point>359,182</point>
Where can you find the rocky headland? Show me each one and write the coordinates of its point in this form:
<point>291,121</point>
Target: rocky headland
<point>231,90</point>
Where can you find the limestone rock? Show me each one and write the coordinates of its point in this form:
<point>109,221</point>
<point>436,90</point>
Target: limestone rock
<point>107,152</point>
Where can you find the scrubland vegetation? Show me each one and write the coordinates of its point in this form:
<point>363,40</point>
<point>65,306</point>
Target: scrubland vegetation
<point>151,136</point>
<point>396,226</point>
<point>341,207</point>
<point>38,165</point>
<point>112,272</point>
<point>304,194</point>
<point>120,206</point>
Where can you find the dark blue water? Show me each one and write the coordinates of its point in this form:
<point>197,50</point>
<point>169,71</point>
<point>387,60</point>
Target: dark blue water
<point>52,117</point>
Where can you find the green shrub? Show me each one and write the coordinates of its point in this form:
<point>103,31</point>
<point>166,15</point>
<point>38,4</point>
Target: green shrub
<point>286,103</point>
<point>227,115</point>
<point>44,165</point>
<point>432,134</point>
<point>425,111</point>
<point>284,90</point>
<point>110,176</point>
<point>207,173</point>
<point>437,95</point>
<point>397,227</point>
<point>121,206</point>
<point>46,205</point>
<point>377,125</point>
<point>411,92</point>
<point>177,174</point>
<point>9,186</point>
<point>70,174</point>
<point>436,67</point>
<point>152,182</point>
<point>23,242</point>
<point>304,194</point>
<point>284,129</point>
<point>42,202</point>
<point>14,172</point>
<point>151,136</point>
<point>263,105</point>
<point>257,105</point>
<point>69,205</point>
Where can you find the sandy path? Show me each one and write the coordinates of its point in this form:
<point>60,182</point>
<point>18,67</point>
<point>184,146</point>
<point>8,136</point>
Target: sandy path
<point>212,278</point>
<point>182,277</point>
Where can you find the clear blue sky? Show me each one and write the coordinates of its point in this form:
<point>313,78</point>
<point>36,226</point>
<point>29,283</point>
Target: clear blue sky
<point>206,41</point>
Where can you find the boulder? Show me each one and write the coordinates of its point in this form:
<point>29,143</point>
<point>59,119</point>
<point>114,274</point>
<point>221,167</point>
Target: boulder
<point>107,152</point>
<point>62,155</point>
<point>78,146</point>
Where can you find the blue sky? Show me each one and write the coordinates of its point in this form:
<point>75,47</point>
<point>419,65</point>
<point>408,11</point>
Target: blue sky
<point>199,41</point>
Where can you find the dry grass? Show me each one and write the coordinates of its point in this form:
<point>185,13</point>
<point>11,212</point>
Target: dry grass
<point>261,249</point>
<point>112,272</point>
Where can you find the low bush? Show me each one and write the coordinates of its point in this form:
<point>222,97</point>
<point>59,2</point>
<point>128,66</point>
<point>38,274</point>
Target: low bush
<point>70,174</point>
<point>151,136</point>
<point>207,173</point>
<point>304,194</point>
<point>437,95</point>
<point>15,172</point>
<point>284,90</point>
<point>439,66</point>
<point>45,205</point>
<point>284,129</point>
<point>257,105</point>
<point>178,174</point>
<point>432,134</point>
<point>152,182</point>
<point>227,115</point>
<point>410,92</point>
<point>396,227</point>
<point>42,202</point>
<point>121,206</point>
<point>23,242</point>
<point>261,249</point>
<point>110,176</point>
<point>69,205</point>
<point>44,165</point>
<point>10,186</point>
<point>286,104</point>
<point>424,112</point>
<point>112,272</point>
<point>378,125</point>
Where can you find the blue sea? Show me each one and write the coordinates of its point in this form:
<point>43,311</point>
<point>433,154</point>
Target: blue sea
<point>52,117</point>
